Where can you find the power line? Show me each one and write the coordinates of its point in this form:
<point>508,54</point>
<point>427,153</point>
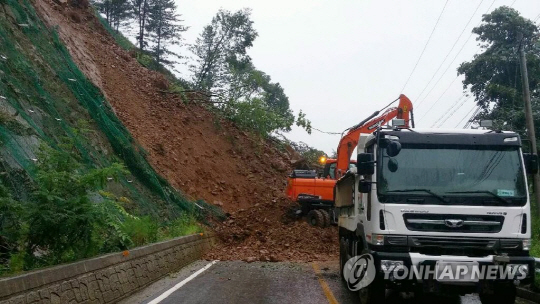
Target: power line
<point>453,46</point>
<point>448,67</point>
<point>471,118</point>
<point>467,115</point>
<point>326,132</point>
<point>455,57</point>
<point>446,114</point>
<point>447,88</point>
<point>477,109</point>
<point>451,111</point>
<point>425,46</point>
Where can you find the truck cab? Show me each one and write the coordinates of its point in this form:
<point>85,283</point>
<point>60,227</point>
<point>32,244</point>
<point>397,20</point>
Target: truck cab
<point>434,198</point>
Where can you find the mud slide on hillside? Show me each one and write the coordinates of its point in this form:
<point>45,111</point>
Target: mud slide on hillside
<point>203,156</point>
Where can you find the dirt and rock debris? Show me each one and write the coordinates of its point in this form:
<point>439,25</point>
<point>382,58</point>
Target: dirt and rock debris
<point>204,156</point>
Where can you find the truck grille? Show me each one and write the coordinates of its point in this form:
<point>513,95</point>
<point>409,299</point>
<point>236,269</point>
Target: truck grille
<point>445,242</point>
<point>453,246</point>
<point>453,223</point>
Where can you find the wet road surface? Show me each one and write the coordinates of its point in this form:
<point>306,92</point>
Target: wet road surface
<point>258,282</point>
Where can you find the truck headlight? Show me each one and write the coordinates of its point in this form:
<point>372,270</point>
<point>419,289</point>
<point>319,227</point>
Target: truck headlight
<point>377,239</point>
<point>526,244</point>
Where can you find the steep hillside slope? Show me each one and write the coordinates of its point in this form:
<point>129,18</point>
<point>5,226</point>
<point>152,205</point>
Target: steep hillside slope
<point>204,156</point>
<point>46,100</point>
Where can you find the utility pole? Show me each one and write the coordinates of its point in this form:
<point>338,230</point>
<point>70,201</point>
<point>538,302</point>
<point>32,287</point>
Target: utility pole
<point>528,116</point>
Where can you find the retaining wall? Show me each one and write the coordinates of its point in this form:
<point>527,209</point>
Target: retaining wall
<point>105,279</point>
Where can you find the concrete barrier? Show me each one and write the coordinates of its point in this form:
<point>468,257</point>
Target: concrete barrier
<point>104,279</point>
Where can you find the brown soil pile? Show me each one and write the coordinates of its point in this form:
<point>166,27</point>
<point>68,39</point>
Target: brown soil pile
<point>202,155</point>
<point>269,232</point>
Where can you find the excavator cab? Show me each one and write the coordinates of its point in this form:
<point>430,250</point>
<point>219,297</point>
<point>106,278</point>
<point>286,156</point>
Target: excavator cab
<point>330,168</point>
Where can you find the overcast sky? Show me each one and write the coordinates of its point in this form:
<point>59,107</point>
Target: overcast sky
<point>341,60</point>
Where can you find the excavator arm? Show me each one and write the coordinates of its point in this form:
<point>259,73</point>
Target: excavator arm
<point>348,142</point>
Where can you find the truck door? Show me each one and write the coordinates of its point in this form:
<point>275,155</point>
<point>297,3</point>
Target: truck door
<point>364,199</point>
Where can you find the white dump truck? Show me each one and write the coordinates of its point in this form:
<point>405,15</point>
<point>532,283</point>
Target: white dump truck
<point>433,201</point>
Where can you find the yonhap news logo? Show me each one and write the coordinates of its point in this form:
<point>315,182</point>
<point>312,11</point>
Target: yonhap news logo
<point>360,271</point>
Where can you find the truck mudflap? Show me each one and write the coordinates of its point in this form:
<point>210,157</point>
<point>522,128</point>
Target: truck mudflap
<point>410,267</point>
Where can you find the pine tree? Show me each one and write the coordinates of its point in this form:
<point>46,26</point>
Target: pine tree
<point>116,11</point>
<point>164,29</point>
<point>140,10</point>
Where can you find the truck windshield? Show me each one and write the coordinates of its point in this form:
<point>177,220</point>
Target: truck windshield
<point>447,172</point>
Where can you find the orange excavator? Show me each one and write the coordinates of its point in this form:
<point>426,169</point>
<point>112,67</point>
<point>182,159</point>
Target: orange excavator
<point>316,194</point>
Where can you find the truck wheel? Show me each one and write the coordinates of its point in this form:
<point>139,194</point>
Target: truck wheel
<point>320,218</point>
<point>374,293</point>
<point>333,217</point>
<point>314,218</point>
<point>326,218</point>
<point>502,294</point>
<point>343,253</point>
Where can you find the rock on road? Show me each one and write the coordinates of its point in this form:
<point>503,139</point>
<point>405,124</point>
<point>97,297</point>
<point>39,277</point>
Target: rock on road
<point>258,282</point>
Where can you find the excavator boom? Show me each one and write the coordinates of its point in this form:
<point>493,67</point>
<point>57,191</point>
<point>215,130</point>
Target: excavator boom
<point>348,142</point>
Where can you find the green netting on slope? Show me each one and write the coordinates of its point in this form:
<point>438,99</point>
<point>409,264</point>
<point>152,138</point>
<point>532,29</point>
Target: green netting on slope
<point>45,94</point>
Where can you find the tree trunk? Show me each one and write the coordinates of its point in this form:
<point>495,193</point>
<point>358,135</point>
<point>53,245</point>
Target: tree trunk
<point>143,24</point>
<point>158,49</point>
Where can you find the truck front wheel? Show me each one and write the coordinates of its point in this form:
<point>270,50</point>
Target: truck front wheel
<point>374,293</point>
<point>502,294</point>
<point>343,255</point>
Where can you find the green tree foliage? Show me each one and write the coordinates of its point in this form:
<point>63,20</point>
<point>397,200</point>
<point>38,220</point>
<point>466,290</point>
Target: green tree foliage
<point>494,75</point>
<point>255,115</point>
<point>310,155</point>
<point>164,29</point>
<point>303,122</point>
<point>140,11</point>
<point>117,12</point>
<point>69,216</point>
<point>224,69</point>
<point>225,40</point>
<point>11,224</point>
<point>253,101</point>
<point>61,221</point>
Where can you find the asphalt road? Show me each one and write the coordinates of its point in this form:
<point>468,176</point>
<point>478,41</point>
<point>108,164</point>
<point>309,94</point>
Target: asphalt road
<point>258,282</point>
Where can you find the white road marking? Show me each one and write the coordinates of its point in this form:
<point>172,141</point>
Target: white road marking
<point>177,286</point>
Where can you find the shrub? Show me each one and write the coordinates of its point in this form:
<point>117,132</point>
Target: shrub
<point>62,217</point>
<point>141,231</point>
<point>184,225</point>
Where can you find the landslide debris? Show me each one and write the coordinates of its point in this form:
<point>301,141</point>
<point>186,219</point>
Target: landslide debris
<point>196,151</point>
<point>268,231</point>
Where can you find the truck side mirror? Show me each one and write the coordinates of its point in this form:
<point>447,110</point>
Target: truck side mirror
<point>364,186</point>
<point>531,163</point>
<point>393,148</point>
<point>364,164</point>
